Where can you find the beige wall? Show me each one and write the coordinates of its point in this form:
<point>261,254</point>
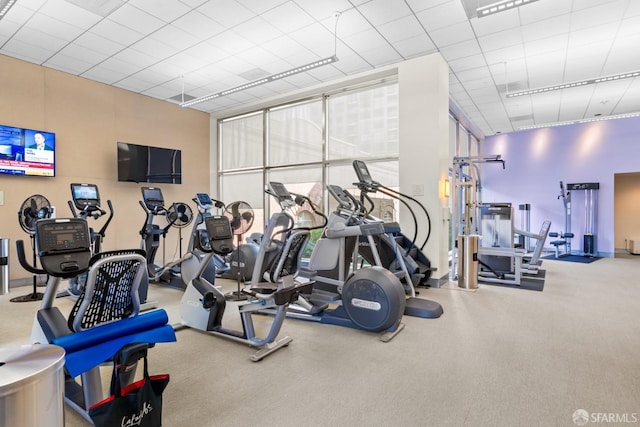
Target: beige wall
<point>626,208</point>
<point>88,119</point>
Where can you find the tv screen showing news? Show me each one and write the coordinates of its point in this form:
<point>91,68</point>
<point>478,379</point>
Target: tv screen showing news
<point>27,151</point>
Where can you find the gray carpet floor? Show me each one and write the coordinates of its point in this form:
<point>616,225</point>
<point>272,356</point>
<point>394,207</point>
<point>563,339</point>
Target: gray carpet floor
<point>497,357</point>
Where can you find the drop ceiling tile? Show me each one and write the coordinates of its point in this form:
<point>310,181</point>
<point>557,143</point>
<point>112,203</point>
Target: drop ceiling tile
<point>323,9</point>
<point>316,36</point>
<point>280,86</point>
<point>167,11</point>
<point>153,76</point>
<point>89,56</point>
<point>302,80</point>
<point>116,32</point>
<point>467,63</point>
<point>455,33</point>
<point>597,15</point>
<point>600,33</point>
<point>230,41</point>
<point>326,73</point>
<point>350,22</point>
<point>227,13</point>
<point>365,41</point>
<point>30,4</point>
<point>283,46</point>
<point>68,64</point>
<point>379,12</point>
<point>541,11</point>
<point>70,13</point>
<point>548,69</point>
<point>135,60</point>
<point>199,25</point>
<point>547,45</point>
<point>207,53</point>
<point>175,37</point>
<point>442,15</point>
<point>350,64</point>
<point>288,17</point>
<point>401,29</point>
<point>135,19</point>
<point>258,30</point>
<point>508,54</point>
<point>381,55</point>
<point>549,27</point>
<point>160,92</point>
<point>261,6</point>
<point>18,14</point>
<point>155,48</point>
<point>415,46</point>
<point>484,27</point>
<point>501,40</point>
<point>98,43</point>
<point>134,84</point>
<point>35,37</point>
<point>45,26</point>
<point>257,56</point>
<point>185,63</point>
<point>104,75</point>
<point>420,5</point>
<point>460,50</point>
<point>633,9</point>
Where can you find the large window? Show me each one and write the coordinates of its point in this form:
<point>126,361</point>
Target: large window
<point>310,144</point>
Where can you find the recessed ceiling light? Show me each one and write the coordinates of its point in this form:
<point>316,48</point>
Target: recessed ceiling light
<point>501,6</point>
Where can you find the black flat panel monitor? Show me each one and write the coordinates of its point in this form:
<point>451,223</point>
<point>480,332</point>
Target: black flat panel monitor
<point>152,197</point>
<point>141,163</point>
<point>85,195</point>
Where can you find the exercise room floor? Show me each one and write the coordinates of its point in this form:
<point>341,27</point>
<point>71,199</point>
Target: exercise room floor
<point>497,357</point>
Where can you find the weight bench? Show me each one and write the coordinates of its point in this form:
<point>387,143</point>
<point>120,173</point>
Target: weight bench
<point>557,243</point>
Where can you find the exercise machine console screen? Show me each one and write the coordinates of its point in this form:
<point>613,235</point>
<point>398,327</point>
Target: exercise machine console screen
<point>152,198</point>
<point>85,195</point>
<point>204,199</point>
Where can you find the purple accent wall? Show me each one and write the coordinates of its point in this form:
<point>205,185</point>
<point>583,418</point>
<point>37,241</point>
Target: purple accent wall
<point>537,160</point>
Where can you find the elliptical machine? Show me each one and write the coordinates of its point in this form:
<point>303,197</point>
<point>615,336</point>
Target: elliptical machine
<point>369,298</point>
<point>86,199</point>
<point>153,204</point>
<point>400,254</point>
<point>203,305</point>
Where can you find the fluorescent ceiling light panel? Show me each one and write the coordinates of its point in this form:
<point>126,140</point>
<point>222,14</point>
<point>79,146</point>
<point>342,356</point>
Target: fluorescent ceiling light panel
<point>297,70</point>
<point>573,122</point>
<point>593,81</point>
<point>5,5</point>
<point>501,6</point>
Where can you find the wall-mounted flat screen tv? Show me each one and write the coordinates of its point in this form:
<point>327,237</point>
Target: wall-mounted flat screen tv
<point>27,151</point>
<point>141,163</point>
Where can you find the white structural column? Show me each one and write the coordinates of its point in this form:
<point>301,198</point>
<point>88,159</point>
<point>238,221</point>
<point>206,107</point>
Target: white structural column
<point>424,150</point>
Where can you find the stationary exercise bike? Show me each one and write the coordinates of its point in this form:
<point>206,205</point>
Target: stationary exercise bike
<point>104,320</point>
<point>203,304</point>
<point>370,298</point>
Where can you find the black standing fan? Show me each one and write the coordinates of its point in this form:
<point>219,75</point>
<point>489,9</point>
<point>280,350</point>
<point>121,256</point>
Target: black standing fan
<point>179,215</point>
<point>240,216</point>
<point>32,209</point>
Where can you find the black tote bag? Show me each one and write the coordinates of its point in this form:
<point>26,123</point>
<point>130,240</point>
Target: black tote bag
<point>138,404</point>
